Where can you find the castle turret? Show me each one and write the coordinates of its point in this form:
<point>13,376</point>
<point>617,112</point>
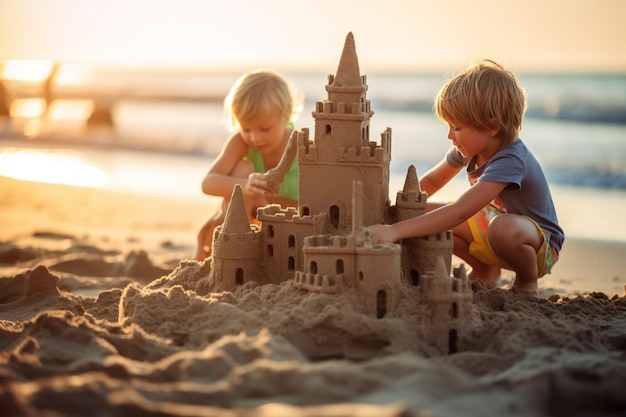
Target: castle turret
<point>236,248</point>
<point>335,263</point>
<point>419,254</point>
<point>341,151</point>
<point>411,201</point>
<point>448,298</point>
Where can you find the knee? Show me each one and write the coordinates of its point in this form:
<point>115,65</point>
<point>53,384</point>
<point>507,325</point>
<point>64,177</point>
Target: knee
<point>510,231</point>
<point>503,230</point>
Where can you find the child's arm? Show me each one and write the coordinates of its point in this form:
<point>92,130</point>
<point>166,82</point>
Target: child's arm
<point>219,180</point>
<point>441,219</point>
<point>438,176</point>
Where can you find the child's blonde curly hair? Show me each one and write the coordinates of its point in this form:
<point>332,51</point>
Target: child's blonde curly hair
<point>261,90</point>
<point>481,95</point>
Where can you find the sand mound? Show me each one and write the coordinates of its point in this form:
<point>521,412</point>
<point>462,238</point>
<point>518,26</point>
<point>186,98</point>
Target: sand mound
<point>173,347</point>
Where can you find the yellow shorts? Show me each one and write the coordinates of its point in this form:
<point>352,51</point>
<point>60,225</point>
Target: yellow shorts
<point>480,249</point>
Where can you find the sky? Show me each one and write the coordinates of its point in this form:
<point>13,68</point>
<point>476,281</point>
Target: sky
<point>390,35</point>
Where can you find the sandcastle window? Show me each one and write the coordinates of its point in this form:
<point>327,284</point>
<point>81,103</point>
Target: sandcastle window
<point>361,276</point>
<point>270,230</point>
<point>239,276</point>
<point>313,267</point>
<point>415,277</point>
<point>291,241</point>
<point>329,130</point>
<point>452,341</point>
<point>334,216</point>
<point>339,266</point>
<point>381,304</point>
<point>291,263</point>
<point>454,311</point>
<point>270,250</point>
<point>305,211</point>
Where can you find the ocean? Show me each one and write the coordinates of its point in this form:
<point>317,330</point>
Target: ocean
<point>167,127</point>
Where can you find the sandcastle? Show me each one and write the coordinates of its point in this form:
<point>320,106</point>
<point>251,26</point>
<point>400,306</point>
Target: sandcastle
<point>323,245</point>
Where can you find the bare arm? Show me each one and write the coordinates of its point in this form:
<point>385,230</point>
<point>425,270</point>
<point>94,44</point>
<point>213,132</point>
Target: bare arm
<point>219,180</point>
<point>441,219</point>
<point>438,176</point>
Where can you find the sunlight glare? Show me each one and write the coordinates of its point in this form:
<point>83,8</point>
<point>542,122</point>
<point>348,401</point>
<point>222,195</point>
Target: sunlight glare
<point>50,167</point>
<point>70,109</point>
<point>30,71</point>
<point>71,74</point>
<point>28,107</point>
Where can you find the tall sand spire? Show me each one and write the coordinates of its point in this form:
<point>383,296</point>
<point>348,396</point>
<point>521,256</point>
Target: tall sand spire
<point>411,183</point>
<point>276,175</point>
<point>348,72</point>
<point>236,219</point>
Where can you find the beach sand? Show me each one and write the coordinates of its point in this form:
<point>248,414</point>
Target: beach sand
<point>101,315</point>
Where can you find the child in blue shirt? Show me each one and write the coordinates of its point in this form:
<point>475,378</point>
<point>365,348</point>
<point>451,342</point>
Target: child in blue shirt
<point>507,218</point>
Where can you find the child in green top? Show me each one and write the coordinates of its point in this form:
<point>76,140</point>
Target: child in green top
<point>260,108</point>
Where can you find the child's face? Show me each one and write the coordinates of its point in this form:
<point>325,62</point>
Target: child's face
<point>470,141</point>
<point>265,131</point>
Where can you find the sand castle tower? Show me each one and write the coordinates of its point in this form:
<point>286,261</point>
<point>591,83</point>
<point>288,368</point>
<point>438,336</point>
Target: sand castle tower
<point>449,299</point>
<point>342,152</point>
<point>419,255</point>
<point>236,248</point>
<point>337,263</point>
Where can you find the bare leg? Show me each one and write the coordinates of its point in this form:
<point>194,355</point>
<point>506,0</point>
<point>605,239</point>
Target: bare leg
<point>489,274</point>
<point>516,240</point>
<point>462,238</point>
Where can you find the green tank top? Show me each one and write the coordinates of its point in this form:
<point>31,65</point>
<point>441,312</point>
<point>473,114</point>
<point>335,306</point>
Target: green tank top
<point>289,187</point>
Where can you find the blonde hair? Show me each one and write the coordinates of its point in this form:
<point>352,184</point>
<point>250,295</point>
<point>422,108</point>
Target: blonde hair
<point>480,94</point>
<point>261,90</point>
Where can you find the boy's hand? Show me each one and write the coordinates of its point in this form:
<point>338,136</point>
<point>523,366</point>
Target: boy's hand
<point>382,233</point>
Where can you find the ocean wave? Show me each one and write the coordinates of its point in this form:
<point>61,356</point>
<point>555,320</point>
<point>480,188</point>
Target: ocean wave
<point>575,110</point>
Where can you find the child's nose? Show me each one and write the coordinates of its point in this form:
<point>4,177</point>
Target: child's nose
<point>255,137</point>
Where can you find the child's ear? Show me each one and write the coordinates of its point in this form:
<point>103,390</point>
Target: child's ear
<point>495,127</point>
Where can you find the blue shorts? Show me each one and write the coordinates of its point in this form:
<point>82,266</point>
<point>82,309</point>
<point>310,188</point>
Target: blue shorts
<point>480,249</point>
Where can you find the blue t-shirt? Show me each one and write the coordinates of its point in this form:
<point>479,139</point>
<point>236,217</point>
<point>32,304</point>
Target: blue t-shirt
<point>527,192</point>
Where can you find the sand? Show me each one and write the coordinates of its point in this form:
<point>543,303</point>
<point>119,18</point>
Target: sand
<point>101,315</point>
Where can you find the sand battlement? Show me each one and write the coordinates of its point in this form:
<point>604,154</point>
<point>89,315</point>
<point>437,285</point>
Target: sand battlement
<point>342,111</point>
<point>331,82</point>
<point>328,284</point>
<point>276,211</point>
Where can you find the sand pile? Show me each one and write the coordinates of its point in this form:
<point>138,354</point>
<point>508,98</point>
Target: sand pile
<point>147,343</point>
